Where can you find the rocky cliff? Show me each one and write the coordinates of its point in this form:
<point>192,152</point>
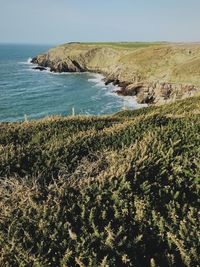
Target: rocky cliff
<point>155,73</point>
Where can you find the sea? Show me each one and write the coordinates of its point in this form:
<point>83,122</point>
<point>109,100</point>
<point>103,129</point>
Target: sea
<point>30,94</point>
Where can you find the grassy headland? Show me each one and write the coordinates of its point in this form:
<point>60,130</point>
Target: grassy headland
<point>125,44</point>
<point>118,190</point>
<point>154,72</point>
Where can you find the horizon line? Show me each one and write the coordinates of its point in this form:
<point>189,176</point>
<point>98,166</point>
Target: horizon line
<point>103,42</point>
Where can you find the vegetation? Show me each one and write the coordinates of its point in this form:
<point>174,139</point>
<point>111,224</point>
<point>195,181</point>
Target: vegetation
<point>155,73</point>
<point>174,63</point>
<point>126,44</point>
<point>117,190</point>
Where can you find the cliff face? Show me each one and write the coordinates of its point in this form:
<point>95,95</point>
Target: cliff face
<point>155,73</point>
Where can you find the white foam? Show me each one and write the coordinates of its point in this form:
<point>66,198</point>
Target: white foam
<point>131,102</point>
<point>58,73</point>
<point>110,90</point>
<point>128,101</point>
<point>28,62</point>
<point>98,80</point>
<point>47,70</point>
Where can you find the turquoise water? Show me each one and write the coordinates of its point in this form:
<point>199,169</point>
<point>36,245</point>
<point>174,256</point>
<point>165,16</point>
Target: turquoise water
<point>39,94</point>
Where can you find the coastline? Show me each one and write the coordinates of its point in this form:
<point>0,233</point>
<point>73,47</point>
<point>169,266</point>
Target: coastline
<point>127,174</point>
<point>135,71</point>
<point>39,94</point>
<point>117,89</point>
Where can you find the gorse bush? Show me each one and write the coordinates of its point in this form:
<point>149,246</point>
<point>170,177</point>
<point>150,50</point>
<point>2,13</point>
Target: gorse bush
<point>118,190</point>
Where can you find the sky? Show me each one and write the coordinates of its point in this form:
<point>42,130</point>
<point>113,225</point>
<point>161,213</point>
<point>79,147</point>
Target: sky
<point>60,21</point>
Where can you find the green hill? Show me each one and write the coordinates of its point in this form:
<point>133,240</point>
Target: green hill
<point>156,73</point>
<point>117,190</point>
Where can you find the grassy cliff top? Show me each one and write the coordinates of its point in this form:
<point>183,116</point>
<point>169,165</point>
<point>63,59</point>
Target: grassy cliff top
<point>117,190</point>
<point>124,44</point>
<point>167,62</point>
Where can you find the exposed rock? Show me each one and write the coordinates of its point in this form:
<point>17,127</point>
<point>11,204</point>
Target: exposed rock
<point>134,89</point>
<point>34,60</point>
<point>144,98</point>
<point>39,68</point>
<point>41,60</point>
<point>108,81</point>
<point>139,72</point>
<point>117,82</point>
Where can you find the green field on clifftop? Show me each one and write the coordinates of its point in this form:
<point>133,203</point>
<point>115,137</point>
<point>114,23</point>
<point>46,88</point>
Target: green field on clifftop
<point>117,190</point>
<point>133,63</point>
<point>126,44</point>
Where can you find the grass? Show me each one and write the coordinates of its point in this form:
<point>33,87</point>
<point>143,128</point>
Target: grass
<point>126,44</point>
<point>118,190</point>
<point>133,62</point>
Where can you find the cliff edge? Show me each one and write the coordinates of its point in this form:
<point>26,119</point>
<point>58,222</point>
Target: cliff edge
<point>155,73</point>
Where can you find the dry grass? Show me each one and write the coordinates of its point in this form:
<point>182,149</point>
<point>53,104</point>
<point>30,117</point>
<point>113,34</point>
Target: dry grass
<point>118,190</point>
<point>175,63</point>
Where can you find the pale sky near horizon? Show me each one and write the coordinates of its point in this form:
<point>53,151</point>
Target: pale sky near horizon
<point>60,21</point>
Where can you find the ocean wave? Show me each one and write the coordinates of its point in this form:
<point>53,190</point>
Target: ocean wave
<point>27,62</point>
<point>126,101</point>
<point>97,79</point>
<point>110,90</point>
<point>96,97</point>
<point>59,73</point>
<point>47,70</point>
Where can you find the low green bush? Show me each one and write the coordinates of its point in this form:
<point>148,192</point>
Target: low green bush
<point>118,190</point>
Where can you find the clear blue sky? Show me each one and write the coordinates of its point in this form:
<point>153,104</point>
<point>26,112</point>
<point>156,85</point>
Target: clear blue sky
<point>59,21</point>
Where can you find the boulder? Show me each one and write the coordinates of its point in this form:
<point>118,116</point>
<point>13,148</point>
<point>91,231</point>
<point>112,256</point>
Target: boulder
<point>39,68</point>
<point>108,81</point>
<point>134,89</point>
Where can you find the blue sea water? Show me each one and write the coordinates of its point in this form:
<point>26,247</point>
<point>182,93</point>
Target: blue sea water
<point>39,94</point>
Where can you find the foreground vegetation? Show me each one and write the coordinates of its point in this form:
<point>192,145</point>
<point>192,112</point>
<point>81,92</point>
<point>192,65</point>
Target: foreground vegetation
<point>118,190</point>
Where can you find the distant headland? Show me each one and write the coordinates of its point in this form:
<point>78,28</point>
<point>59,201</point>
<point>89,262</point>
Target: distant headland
<point>155,73</point>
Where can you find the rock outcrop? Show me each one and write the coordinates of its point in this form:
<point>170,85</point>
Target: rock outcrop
<point>39,68</point>
<point>154,74</point>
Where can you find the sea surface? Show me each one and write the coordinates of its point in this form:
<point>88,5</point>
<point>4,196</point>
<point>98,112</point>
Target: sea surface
<point>25,92</point>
